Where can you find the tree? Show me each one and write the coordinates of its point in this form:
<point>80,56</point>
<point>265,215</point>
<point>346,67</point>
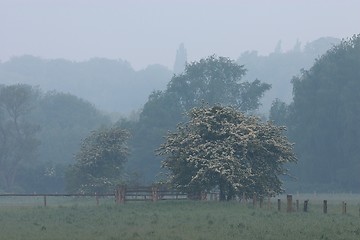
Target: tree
<point>213,80</point>
<point>160,114</point>
<point>100,161</point>
<point>325,118</point>
<point>102,81</point>
<point>216,80</point>
<point>278,68</point>
<point>279,112</point>
<point>222,147</point>
<point>64,120</point>
<point>18,142</point>
<point>180,59</point>
<point>278,48</point>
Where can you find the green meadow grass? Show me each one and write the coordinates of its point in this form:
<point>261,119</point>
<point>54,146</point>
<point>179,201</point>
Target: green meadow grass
<point>176,220</point>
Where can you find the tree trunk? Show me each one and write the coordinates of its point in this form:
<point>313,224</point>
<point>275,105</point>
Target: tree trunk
<point>231,193</point>
<point>227,193</point>
<point>222,188</point>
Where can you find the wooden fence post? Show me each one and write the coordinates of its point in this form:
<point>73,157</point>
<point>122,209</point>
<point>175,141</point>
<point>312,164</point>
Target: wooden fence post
<point>45,201</point>
<point>306,202</point>
<point>325,207</point>
<point>97,199</point>
<point>154,195</point>
<point>117,190</point>
<point>254,200</point>
<point>279,204</point>
<point>297,205</point>
<point>203,196</point>
<point>120,194</point>
<point>289,203</point>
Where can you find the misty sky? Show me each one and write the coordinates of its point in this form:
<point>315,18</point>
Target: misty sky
<point>149,32</point>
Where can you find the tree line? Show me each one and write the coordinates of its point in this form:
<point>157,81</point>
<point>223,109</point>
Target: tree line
<point>104,82</point>
<point>39,134</point>
<point>218,146</point>
<point>224,145</point>
<point>323,120</point>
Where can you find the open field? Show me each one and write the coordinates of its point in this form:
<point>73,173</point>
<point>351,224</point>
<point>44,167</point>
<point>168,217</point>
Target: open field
<point>177,220</point>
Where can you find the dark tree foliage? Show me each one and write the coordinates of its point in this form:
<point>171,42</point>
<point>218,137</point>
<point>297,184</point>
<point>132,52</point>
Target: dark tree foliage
<point>39,134</point>
<point>100,162</point>
<point>215,80</point>
<point>280,113</point>
<point>18,140</point>
<point>65,120</point>
<point>279,67</point>
<point>325,117</point>
<point>221,147</point>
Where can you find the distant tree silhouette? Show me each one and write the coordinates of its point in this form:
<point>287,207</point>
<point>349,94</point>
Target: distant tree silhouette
<point>180,59</point>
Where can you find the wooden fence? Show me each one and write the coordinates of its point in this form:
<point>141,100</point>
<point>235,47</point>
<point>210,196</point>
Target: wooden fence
<point>294,206</point>
<point>122,194</point>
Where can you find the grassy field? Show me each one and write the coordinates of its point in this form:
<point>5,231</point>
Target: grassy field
<point>176,220</point>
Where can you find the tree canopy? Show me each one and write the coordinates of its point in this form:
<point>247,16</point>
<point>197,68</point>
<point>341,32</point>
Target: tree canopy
<point>278,68</point>
<point>102,81</point>
<point>222,147</point>
<point>323,119</point>
<point>100,161</point>
<point>65,120</point>
<point>215,80</point>
<point>39,134</point>
<point>18,140</point>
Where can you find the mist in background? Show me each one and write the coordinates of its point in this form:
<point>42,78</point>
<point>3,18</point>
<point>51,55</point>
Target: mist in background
<point>149,32</point>
<point>88,64</point>
<point>115,53</point>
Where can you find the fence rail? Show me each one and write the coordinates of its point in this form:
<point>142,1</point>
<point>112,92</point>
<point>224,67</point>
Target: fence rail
<point>124,194</point>
<point>55,195</point>
<point>121,195</point>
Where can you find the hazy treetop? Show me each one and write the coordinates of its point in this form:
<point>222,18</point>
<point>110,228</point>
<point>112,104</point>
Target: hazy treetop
<point>147,32</point>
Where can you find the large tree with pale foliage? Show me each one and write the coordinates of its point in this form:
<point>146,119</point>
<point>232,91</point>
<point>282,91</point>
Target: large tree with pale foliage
<point>220,147</point>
